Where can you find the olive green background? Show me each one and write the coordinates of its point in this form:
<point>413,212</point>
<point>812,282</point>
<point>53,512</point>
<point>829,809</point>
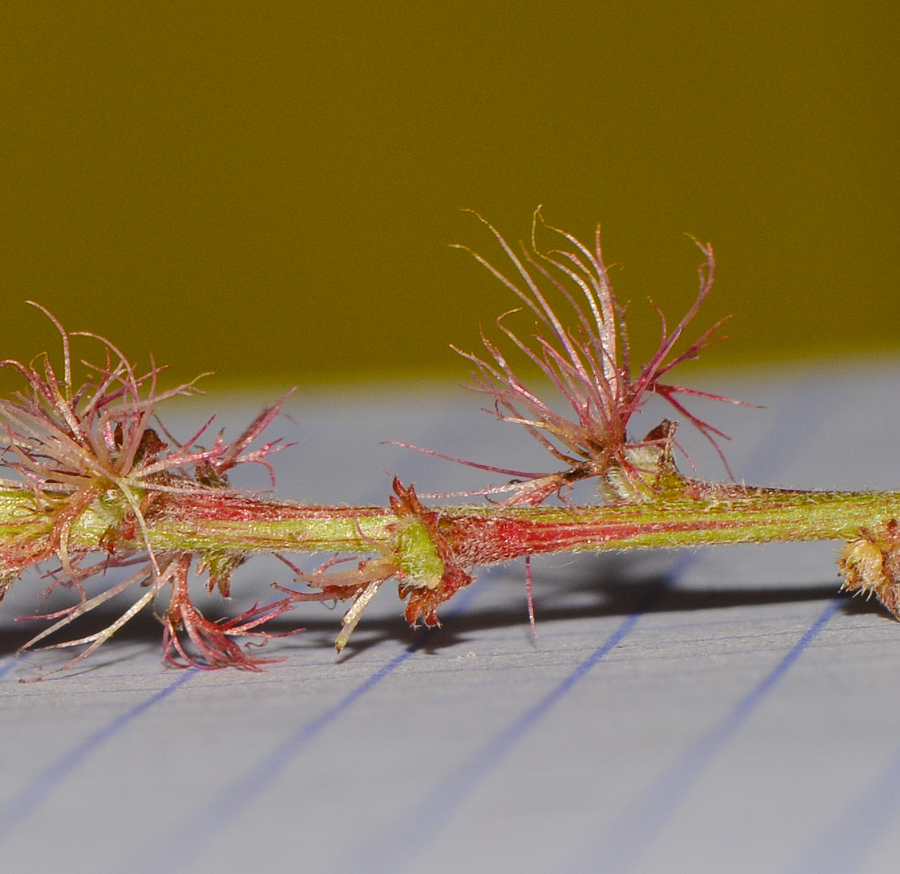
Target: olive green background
<point>268,189</point>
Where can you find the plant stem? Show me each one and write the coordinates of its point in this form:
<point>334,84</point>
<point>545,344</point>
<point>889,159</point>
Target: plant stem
<point>227,522</point>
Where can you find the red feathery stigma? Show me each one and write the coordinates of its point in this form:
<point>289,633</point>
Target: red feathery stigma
<point>94,447</point>
<point>590,367</point>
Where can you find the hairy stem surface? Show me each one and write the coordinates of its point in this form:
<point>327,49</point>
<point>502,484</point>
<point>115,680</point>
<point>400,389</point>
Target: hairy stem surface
<point>481,535</point>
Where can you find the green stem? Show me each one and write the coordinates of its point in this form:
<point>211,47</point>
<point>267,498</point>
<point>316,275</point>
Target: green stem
<point>756,516</point>
<point>432,552</point>
<point>225,522</point>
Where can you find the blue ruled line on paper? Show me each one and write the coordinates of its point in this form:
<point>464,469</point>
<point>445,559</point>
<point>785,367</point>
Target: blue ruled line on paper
<point>25,802</point>
<point>447,797</point>
<point>848,843</point>
<point>183,844</point>
<point>627,837</point>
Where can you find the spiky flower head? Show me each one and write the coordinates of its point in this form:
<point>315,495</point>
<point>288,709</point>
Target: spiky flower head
<point>589,364</point>
<point>100,446</point>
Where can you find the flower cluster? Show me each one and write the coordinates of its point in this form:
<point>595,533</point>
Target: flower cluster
<point>99,449</point>
<point>590,367</point>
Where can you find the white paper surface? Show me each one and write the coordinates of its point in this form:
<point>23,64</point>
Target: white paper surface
<point>722,710</point>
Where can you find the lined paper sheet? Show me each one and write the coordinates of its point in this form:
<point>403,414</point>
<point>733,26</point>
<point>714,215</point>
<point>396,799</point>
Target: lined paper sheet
<point>707,711</point>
